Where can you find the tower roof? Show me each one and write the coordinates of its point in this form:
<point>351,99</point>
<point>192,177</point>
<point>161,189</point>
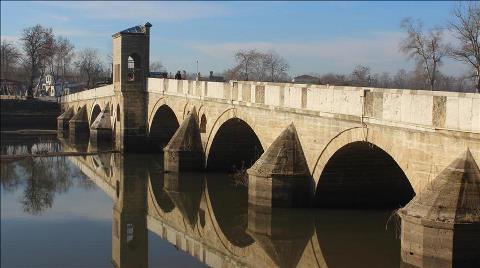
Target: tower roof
<point>453,197</point>
<point>139,29</point>
<point>284,157</point>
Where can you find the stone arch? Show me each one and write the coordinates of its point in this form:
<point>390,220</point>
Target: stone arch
<point>229,205</point>
<point>211,218</point>
<point>117,115</point>
<point>160,198</point>
<point>187,108</point>
<point>232,145</point>
<point>95,112</point>
<point>163,125</point>
<point>203,124</point>
<point>221,119</point>
<point>370,170</point>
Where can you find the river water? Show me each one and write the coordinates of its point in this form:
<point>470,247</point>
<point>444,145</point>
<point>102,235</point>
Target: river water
<point>122,210</point>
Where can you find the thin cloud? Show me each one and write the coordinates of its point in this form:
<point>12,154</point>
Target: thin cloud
<point>59,18</point>
<point>370,49</point>
<point>379,50</point>
<point>81,33</point>
<point>10,38</point>
<point>163,11</point>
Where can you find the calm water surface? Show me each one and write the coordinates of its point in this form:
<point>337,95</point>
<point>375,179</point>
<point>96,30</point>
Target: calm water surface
<point>114,210</point>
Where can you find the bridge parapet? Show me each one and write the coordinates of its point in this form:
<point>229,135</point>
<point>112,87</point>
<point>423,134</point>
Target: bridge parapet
<point>435,110</point>
<point>94,93</point>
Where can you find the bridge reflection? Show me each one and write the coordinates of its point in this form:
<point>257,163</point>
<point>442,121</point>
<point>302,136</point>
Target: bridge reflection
<point>208,217</point>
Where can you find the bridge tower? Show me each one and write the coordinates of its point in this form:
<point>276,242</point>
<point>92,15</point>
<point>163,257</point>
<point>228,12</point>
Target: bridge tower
<point>131,53</point>
<point>129,225</point>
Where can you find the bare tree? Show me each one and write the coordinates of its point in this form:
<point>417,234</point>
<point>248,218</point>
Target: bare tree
<point>9,58</point>
<point>361,75</point>
<point>426,48</point>
<point>157,66</point>
<point>248,60</point>
<point>275,65</point>
<point>400,79</point>
<point>89,65</point>
<point>466,27</point>
<point>64,53</point>
<point>334,79</point>
<point>37,45</point>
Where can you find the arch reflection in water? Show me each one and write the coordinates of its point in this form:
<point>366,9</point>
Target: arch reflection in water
<point>210,220</point>
<point>185,190</point>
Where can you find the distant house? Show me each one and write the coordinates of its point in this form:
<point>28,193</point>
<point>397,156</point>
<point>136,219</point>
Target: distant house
<point>50,88</point>
<point>306,79</point>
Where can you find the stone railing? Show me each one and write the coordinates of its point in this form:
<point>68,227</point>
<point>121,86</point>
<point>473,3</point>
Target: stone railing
<point>396,107</point>
<point>93,93</point>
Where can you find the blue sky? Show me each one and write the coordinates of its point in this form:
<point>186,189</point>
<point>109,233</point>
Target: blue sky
<point>314,37</point>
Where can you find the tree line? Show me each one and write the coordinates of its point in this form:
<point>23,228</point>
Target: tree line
<point>426,47</point>
<point>41,53</point>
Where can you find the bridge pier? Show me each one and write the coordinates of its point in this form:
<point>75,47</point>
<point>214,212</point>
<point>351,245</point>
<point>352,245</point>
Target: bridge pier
<point>184,152</point>
<point>441,225</point>
<point>185,190</point>
<point>280,177</point>
<point>78,124</point>
<point>282,233</point>
<point>63,120</point>
<point>101,128</point>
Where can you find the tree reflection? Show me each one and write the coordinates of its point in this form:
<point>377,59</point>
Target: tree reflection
<point>42,177</point>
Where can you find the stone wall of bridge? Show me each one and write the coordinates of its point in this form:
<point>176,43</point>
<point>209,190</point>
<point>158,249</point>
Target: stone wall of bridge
<point>422,131</point>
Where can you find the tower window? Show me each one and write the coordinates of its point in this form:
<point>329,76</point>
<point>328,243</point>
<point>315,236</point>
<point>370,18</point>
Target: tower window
<point>131,69</point>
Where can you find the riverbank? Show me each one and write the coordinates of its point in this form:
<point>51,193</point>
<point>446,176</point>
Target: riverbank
<point>28,114</point>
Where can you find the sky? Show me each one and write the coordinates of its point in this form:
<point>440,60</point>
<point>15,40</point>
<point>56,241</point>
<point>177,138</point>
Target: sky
<point>314,37</point>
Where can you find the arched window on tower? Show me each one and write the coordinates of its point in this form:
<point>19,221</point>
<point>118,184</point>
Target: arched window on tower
<point>131,69</point>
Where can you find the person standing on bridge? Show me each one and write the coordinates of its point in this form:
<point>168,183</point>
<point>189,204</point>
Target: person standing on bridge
<point>178,76</point>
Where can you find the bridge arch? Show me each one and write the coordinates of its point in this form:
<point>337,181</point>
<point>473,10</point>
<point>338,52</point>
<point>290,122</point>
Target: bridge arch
<point>95,112</point>
<point>203,124</point>
<point>363,168</point>
<point>232,143</point>
<point>212,219</point>
<point>163,124</point>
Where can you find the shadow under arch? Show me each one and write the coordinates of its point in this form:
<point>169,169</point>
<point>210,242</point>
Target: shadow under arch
<point>157,182</point>
<point>235,146</point>
<point>95,112</point>
<point>362,175</point>
<point>164,125</point>
<point>229,205</point>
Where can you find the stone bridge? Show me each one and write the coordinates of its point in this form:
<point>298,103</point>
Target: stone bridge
<point>348,146</point>
<point>195,218</point>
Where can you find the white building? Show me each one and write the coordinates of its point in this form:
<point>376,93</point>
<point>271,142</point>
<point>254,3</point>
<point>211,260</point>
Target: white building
<point>49,87</point>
